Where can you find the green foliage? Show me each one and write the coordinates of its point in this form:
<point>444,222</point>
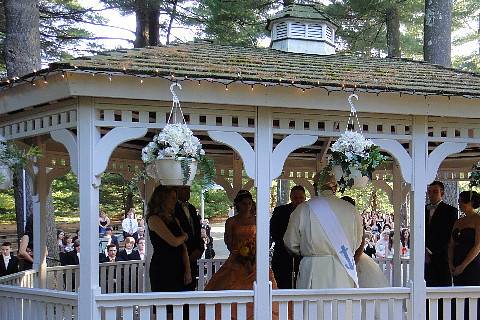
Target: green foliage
<point>113,195</point>
<point>65,193</point>
<point>234,22</point>
<point>467,63</point>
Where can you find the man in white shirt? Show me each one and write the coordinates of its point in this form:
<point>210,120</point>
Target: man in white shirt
<point>8,263</point>
<point>321,266</point>
<point>130,225</point>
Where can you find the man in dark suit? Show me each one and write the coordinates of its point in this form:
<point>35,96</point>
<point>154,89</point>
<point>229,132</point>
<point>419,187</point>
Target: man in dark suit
<point>129,253</point>
<point>439,220</point>
<point>111,254</point>
<point>284,264</point>
<point>189,220</point>
<point>8,263</point>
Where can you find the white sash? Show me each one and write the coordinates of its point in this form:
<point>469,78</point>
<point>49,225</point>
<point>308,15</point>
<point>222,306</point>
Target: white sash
<point>335,234</point>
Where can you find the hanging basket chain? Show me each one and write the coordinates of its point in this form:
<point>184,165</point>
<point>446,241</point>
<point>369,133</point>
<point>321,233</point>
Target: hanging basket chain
<point>175,106</point>
<point>353,113</point>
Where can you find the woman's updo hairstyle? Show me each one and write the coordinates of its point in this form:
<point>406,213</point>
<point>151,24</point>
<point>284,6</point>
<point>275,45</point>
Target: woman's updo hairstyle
<point>470,196</point>
<point>242,194</point>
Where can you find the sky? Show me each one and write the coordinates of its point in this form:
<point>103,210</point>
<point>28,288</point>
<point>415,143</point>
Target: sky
<point>183,34</point>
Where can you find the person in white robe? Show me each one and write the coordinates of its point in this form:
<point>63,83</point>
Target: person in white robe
<point>320,266</point>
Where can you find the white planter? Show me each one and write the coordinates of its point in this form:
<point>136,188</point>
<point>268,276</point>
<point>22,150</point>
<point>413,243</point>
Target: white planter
<point>6,180</point>
<point>169,172</point>
<point>359,181</point>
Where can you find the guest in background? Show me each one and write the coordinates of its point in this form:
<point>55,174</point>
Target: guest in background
<point>77,235</point>
<point>208,240</point>
<point>405,242</point>
<point>111,254</point>
<point>112,239</point>
<point>73,257</point>
<point>68,243</point>
<point>61,240</point>
<point>103,223</point>
<point>130,225</point>
<point>170,265</point>
<point>370,246</point>
<point>189,220</point>
<point>382,247</point>
<point>141,248</point>
<point>129,253</point>
<point>284,265</point>
<point>8,263</point>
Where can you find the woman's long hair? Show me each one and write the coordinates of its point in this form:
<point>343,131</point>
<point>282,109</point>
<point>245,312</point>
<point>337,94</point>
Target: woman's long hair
<point>157,200</point>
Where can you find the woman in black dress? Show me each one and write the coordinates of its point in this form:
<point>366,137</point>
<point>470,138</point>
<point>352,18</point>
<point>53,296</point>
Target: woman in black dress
<point>169,267</point>
<point>464,248</point>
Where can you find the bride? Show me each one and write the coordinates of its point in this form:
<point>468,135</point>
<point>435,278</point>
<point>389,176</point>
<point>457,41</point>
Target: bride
<point>238,272</point>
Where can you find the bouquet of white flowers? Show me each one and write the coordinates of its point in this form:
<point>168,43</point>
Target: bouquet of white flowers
<point>352,158</point>
<point>175,141</point>
<point>175,151</point>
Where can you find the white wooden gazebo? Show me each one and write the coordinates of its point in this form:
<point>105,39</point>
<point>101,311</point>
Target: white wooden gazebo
<point>263,106</point>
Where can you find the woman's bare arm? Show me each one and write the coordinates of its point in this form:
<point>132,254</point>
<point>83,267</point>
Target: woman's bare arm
<point>228,234</point>
<point>159,227</point>
<point>473,252</point>
<point>22,251</point>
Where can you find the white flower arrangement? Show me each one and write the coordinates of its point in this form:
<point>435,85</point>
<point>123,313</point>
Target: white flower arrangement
<point>175,141</point>
<point>352,156</point>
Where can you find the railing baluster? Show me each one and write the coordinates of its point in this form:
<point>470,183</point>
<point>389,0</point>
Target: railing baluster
<point>312,308</point>
<point>327,309</point>
<point>370,309</point>
<point>447,309</point>
<point>144,313</point>
<point>241,311</point>
<point>472,308</point>
<point>283,310</point>
<point>341,309</point>
<point>110,313</point>
<point>210,311</point>
<point>178,312</point>
<point>193,312</point>
<point>226,311</point>
<point>356,310</point>
<point>459,308</point>
<point>161,313</point>
<point>127,313</point>
<point>433,308</point>
<point>298,310</point>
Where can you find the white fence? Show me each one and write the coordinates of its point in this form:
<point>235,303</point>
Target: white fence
<point>18,303</point>
<point>460,303</point>
<point>208,305</point>
<point>206,268</point>
<point>118,277</point>
<point>24,279</point>
<point>386,264</point>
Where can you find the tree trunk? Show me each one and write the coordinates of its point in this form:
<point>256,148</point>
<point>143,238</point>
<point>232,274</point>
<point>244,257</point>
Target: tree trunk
<point>437,29</point>
<point>172,18</point>
<point>288,2</point>
<point>52,246</point>
<point>128,201</point>
<point>154,24</point>
<point>22,37</point>
<point>141,32</point>
<point>19,202</point>
<point>393,32</point>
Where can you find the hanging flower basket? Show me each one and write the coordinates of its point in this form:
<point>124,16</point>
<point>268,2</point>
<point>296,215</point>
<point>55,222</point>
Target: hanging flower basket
<point>173,155</point>
<point>353,158</point>
<point>171,158</point>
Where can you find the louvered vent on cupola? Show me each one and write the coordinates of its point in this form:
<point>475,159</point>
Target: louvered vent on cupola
<point>302,29</point>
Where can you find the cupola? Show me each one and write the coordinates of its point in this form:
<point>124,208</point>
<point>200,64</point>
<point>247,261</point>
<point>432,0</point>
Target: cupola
<point>302,28</point>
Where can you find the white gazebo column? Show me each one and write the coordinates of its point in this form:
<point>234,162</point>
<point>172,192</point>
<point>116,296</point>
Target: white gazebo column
<point>263,151</point>
<point>419,188</point>
<point>397,205</point>
<point>149,188</point>
<point>88,136</point>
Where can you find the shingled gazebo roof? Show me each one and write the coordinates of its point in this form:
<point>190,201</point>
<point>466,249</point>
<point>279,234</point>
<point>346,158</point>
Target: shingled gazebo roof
<point>264,65</point>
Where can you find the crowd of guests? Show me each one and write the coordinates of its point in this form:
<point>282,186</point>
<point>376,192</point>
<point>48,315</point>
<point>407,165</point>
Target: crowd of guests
<point>379,236</point>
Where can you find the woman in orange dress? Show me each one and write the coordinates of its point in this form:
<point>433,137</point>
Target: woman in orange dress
<point>238,272</point>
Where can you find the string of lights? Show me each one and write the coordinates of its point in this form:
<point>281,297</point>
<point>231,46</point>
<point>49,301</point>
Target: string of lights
<point>302,85</point>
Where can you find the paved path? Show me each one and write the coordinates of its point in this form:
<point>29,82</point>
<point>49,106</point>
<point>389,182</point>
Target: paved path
<point>217,230</point>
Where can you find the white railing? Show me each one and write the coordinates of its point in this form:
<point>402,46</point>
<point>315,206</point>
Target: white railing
<point>24,279</point>
<point>208,305</point>
<point>458,303</point>
<point>118,277</point>
<point>377,303</point>
<point>386,264</point>
<point>36,304</point>
<point>206,268</point>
